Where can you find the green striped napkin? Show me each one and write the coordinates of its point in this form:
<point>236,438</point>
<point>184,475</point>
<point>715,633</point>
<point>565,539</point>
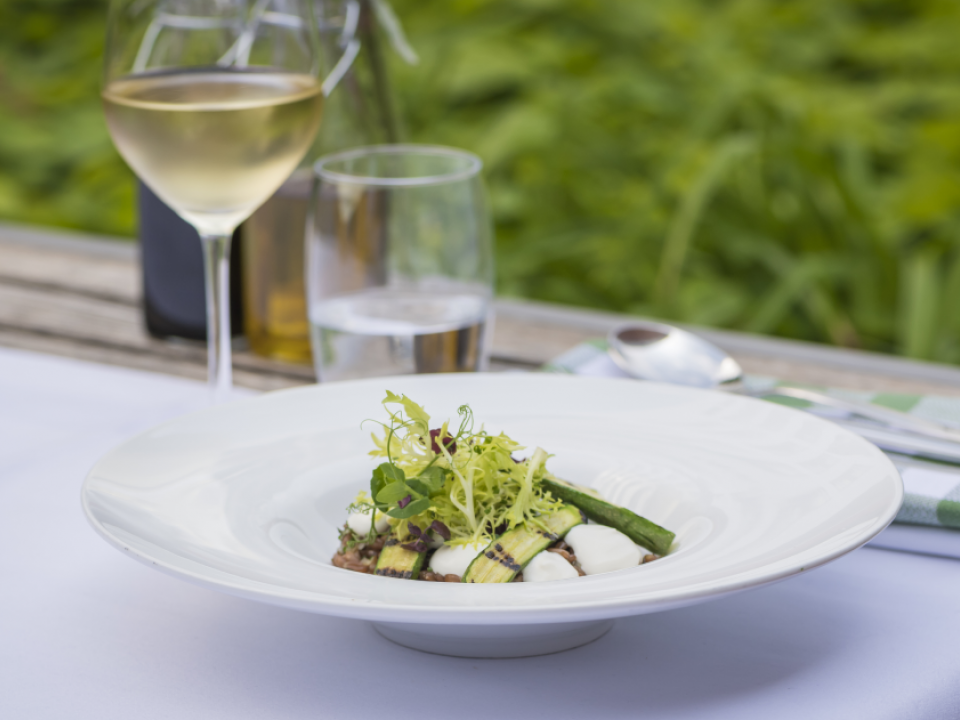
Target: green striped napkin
<point>932,490</point>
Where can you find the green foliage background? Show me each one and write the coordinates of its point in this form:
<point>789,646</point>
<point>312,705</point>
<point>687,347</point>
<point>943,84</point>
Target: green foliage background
<point>779,166</point>
<point>57,163</point>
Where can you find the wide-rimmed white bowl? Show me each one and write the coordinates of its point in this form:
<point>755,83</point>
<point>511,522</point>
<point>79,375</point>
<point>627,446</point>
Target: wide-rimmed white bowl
<point>247,498</point>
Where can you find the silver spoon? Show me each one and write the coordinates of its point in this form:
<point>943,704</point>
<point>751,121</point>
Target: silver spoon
<point>654,351</point>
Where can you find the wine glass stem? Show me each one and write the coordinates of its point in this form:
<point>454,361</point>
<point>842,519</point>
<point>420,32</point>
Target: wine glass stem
<point>216,265</point>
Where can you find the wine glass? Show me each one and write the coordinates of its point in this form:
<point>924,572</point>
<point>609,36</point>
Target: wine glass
<point>213,103</point>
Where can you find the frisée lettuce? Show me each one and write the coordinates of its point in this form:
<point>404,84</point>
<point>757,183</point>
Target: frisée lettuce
<point>461,485</point>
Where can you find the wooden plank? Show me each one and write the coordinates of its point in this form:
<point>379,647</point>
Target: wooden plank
<point>92,275</point>
<point>68,241</point>
<point>156,362</point>
<point>79,295</point>
<point>51,298</point>
<point>70,301</point>
<point>69,315</point>
<point>790,360</point>
<point>148,361</point>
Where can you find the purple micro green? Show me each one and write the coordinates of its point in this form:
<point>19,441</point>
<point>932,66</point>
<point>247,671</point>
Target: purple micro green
<point>448,442</point>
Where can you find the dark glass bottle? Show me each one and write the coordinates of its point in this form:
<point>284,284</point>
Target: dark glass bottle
<point>174,303</point>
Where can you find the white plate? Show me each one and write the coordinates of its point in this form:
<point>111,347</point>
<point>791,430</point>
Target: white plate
<point>247,499</point>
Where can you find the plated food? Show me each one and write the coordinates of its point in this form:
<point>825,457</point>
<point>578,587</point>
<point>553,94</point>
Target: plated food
<point>458,505</point>
<point>248,498</point>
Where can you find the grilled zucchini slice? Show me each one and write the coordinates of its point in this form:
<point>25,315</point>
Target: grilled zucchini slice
<point>508,554</point>
<point>399,562</point>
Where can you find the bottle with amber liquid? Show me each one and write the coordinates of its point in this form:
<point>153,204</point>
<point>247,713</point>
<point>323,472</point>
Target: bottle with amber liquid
<point>361,111</point>
<point>275,303</point>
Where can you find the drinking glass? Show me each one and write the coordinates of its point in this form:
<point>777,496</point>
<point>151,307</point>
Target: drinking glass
<point>213,103</point>
<point>399,262</point>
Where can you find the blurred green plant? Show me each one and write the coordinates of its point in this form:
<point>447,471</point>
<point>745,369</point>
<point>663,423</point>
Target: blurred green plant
<point>57,164</point>
<point>788,167</point>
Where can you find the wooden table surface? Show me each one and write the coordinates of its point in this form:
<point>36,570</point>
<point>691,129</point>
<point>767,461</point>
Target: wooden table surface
<point>79,296</point>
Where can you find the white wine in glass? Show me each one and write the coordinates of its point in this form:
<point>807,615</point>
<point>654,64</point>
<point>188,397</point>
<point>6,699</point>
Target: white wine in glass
<point>214,145</point>
<point>213,103</point>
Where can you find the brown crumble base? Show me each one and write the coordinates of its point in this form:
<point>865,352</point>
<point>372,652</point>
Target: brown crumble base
<point>362,558</point>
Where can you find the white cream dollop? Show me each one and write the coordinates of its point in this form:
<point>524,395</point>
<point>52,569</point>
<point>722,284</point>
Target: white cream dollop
<point>434,541</point>
<point>601,549</point>
<point>547,566</point>
<point>455,559</point>
<point>359,522</point>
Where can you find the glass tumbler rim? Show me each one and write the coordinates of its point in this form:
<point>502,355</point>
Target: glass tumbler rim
<point>470,168</point>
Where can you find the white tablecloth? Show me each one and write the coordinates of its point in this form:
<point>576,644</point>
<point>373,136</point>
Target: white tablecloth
<point>87,633</point>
